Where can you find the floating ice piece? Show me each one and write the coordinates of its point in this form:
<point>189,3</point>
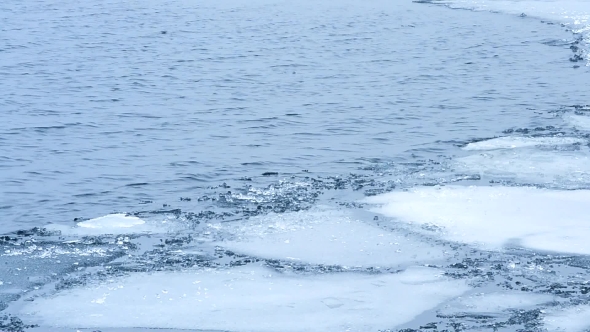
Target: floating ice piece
<point>573,319</point>
<point>565,168</point>
<point>494,303</point>
<point>328,237</point>
<point>510,142</point>
<point>110,224</point>
<point>580,122</point>
<point>112,221</point>
<point>248,299</point>
<point>491,216</point>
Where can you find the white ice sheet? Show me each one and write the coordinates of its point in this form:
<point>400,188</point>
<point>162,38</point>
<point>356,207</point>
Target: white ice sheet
<point>249,299</point>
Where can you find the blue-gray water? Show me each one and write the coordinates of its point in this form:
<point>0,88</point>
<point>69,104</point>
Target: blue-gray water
<point>123,106</point>
<point>179,96</point>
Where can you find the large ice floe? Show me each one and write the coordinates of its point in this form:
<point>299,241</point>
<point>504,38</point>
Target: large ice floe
<point>496,216</point>
<point>327,237</point>
<point>249,298</point>
<point>563,161</point>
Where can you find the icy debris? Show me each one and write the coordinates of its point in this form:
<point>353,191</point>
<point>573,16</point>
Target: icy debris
<point>542,219</point>
<point>511,142</point>
<point>249,298</point>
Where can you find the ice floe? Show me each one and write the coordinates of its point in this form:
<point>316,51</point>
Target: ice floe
<point>543,219</point>
<point>568,169</point>
<point>327,237</point>
<point>249,298</point>
<point>511,142</point>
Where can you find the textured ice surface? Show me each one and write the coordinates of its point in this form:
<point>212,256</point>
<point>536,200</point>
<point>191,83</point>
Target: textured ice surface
<point>110,224</point>
<point>573,319</point>
<point>249,299</point>
<point>580,122</point>
<point>530,165</point>
<point>511,142</point>
<point>327,237</point>
<point>493,303</point>
<point>492,216</point>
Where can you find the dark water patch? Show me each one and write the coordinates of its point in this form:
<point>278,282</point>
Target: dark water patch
<point>138,184</point>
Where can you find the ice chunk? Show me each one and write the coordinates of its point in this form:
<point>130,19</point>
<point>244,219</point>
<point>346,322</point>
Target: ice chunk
<point>328,237</point>
<point>566,168</point>
<point>494,303</point>
<point>543,219</point>
<point>111,221</point>
<point>110,224</point>
<point>248,299</point>
<point>573,319</point>
<point>520,142</point>
<point>580,122</point>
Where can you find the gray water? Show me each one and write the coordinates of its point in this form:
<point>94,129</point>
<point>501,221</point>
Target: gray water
<point>130,106</point>
<point>109,104</point>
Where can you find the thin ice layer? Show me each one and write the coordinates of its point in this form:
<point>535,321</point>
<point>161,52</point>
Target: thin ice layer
<point>573,319</point>
<point>493,216</point>
<point>249,299</point>
<point>494,303</point>
<point>511,142</point>
<point>530,165</point>
<point>580,122</point>
<point>327,237</point>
